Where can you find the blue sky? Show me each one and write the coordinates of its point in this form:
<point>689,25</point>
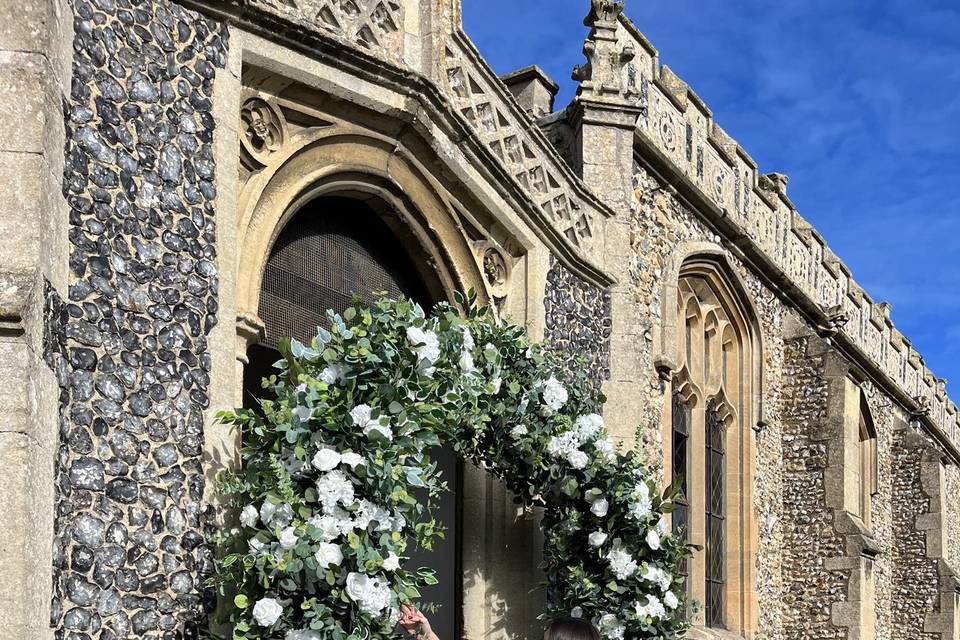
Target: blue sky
<point>858,102</point>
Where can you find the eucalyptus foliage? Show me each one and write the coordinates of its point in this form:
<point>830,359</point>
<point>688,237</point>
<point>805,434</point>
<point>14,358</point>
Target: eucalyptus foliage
<point>332,466</point>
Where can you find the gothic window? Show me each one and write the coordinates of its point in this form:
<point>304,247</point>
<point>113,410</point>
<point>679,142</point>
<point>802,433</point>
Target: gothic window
<point>710,439</point>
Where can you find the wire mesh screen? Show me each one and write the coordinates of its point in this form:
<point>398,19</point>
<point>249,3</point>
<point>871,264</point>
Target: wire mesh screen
<point>330,251</point>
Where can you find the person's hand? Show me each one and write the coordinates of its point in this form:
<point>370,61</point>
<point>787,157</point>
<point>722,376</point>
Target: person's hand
<point>415,623</point>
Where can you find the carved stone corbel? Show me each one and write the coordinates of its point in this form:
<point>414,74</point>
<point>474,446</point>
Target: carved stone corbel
<point>496,268</point>
<point>250,331</point>
<point>837,318</point>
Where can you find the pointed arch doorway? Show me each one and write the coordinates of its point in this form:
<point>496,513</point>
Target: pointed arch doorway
<point>332,249</point>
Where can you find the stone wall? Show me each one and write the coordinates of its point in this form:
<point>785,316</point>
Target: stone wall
<point>915,578</point>
<point>578,322</point>
<point>952,516</point>
<point>883,531</point>
<point>660,225</point>
<point>810,589</point>
<point>129,343</point>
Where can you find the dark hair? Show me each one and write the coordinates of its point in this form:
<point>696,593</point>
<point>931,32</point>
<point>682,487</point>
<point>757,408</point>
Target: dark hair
<point>571,629</point>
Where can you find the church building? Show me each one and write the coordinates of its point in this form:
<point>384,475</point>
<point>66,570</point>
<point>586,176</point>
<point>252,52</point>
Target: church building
<point>186,182</point>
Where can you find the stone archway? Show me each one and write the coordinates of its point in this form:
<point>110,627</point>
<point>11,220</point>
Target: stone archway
<point>343,161</point>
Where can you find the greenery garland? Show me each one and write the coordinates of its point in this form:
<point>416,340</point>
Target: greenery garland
<point>327,511</point>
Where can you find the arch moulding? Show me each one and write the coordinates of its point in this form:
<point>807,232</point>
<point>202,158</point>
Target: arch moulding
<point>362,165</point>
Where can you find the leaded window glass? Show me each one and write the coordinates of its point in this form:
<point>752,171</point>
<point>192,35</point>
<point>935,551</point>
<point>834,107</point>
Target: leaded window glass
<point>714,516</point>
<point>681,438</point>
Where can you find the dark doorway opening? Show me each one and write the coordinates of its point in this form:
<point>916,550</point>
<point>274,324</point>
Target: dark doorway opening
<point>333,249</point>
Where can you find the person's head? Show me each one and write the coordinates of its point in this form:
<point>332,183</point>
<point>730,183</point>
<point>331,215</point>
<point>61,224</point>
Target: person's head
<point>571,629</point>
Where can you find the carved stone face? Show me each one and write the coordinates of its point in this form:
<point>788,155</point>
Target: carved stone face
<point>259,130</point>
<point>494,268</point>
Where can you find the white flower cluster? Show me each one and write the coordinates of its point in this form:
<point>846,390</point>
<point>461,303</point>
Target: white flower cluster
<point>519,431</point>
<point>652,608</point>
<point>554,395</point>
<point>372,594</point>
<point>657,576</point>
<point>569,445</point>
<point>641,503</point>
<point>621,562</point>
<point>362,416</point>
<point>427,345</point>
<point>334,374</point>
<point>610,627</point>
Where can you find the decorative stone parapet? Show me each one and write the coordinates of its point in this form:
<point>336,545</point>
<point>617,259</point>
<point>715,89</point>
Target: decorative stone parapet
<point>678,130</point>
<point>482,98</point>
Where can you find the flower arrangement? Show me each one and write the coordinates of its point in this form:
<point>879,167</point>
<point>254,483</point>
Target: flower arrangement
<point>327,511</point>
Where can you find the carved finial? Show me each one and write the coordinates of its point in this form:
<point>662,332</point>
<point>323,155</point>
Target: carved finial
<point>603,11</point>
<point>603,73</point>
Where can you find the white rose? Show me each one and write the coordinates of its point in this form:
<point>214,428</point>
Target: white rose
<point>328,554</point>
<point>361,415</point>
<point>288,538</point>
<point>303,634</point>
<point>653,539</point>
<point>600,507</point>
<point>249,515</point>
<point>304,413</point>
<point>256,547</point>
<point>352,459</point>
<point>267,611</point>
<point>597,538</point>
<point>391,562</point>
<point>518,431</point>
<point>333,374</point>
<point>326,460</point>
<point>267,511</point>
<point>576,612</point>
<point>670,600</point>
<point>554,394</point>
<point>578,459</point>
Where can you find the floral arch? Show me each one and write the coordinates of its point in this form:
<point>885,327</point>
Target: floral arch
<point>325,493</point>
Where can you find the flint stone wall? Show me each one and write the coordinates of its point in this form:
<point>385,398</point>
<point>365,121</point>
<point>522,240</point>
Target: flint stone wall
<point>129,344</point>
<point>659,223</point>
<point>810,590</point>
<point>578,321</point>
<point>915,577</point>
